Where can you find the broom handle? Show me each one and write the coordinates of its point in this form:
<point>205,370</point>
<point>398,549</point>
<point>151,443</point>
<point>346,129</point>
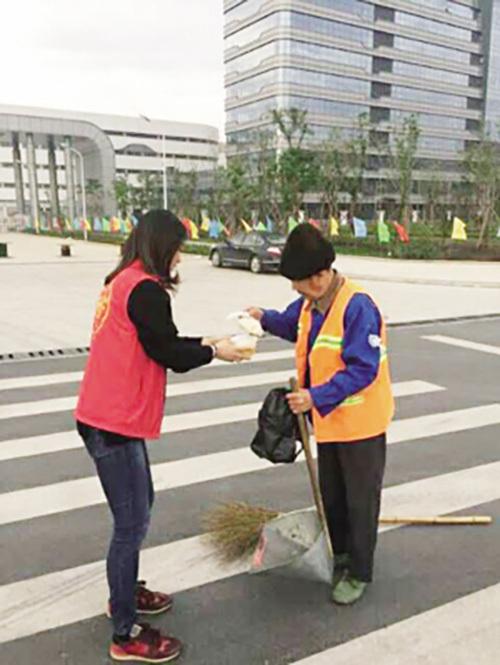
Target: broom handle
<point>304,435</point>
<point>466,519</point>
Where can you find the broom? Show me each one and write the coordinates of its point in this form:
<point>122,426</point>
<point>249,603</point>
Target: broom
<point>233,529</point>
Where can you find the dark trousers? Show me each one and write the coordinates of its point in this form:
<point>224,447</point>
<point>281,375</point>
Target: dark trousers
<point>125,475</point>
<point>350,476</point>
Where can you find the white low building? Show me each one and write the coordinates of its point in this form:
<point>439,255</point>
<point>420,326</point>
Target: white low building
<point>39,146</point>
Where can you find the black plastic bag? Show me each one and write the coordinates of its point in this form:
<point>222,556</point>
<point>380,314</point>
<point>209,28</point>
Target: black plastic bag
<point>278,433</point>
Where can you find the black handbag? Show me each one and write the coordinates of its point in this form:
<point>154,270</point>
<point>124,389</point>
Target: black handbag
<point>278,434</point>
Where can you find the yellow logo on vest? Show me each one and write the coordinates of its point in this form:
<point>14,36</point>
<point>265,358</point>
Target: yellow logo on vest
<point>102,310</point>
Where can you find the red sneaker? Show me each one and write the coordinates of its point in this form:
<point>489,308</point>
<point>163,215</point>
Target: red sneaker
<point>149,646</point>
<point>151,602</point>
<point>148,602</point>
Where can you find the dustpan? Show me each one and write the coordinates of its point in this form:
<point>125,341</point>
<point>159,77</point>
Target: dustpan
<point>294,545</point>
<point>298,544</point>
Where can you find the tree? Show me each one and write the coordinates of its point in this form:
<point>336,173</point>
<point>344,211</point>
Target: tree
<point>238,191</point>
<point>482,174</point>
<point>332,173</point>
<point>123,194</point>
<point>183,193</point>
<point>403,161</point>
<point>264,170</point>
<point>356,152</point>
<point>149,191</point>
<point>94,191</point>
<point>297,171</point>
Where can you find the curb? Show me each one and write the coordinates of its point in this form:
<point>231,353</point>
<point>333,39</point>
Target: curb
<point>48,354</point>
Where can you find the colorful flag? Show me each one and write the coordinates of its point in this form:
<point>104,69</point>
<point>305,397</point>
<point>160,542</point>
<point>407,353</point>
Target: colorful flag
<point>135,221</point>
<point>360,229</point>
<point>302,217</point>
<point>401,231</point>
<point>97,224</point>
<point>314,222</point>
<point>205,222</point>
<point>261,227</point>
<point>67,224</point>
<point>123,226</point>
<point>76,224</point>
<point>129,225</point>
<point>87,225</point>
<point>334,227</point>
<point>214,231</point>
<point>269,224</point>
<point>459,231</point>
<point>383,233</point>
<point>246,226</point>
<point>194,230</point>
<point>292,223</point>
<point>106,225</point>
<point>223,229</point>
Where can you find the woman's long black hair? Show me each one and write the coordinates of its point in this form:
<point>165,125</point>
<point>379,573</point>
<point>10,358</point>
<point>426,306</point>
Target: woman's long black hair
<point>155,240</point>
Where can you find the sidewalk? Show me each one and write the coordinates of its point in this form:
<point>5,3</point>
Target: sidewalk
<point>48,301</point>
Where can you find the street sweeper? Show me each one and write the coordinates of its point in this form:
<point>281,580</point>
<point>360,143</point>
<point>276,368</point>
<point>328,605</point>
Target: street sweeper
<point>345,388</point>
<point>121,403</point>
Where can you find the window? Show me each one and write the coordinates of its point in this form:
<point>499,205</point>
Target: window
<point>382,65</point>
<point>380,90</point>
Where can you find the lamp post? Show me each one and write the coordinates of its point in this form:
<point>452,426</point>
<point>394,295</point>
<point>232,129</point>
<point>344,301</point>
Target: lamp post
<point>82,178</point>
<point>164,165</point>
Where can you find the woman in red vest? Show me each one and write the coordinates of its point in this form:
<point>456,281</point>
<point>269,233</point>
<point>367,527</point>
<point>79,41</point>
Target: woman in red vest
<point>121,403</point>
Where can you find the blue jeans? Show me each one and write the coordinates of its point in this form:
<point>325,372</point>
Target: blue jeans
<point>125,475</point>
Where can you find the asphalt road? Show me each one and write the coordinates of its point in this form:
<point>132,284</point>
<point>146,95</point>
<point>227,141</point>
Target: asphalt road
<point>54,526</point>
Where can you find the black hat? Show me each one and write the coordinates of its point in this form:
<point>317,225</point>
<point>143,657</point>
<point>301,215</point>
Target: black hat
<point>306,253</point>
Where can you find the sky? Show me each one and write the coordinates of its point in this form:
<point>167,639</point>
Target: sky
<point>160,58</point>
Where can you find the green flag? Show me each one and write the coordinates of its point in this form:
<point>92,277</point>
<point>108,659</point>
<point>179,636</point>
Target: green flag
<point>292,223</point>
<point>383,232</point>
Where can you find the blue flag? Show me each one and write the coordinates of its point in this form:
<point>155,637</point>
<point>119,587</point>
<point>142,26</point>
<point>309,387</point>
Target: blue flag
<point>269,224</point>
<point>360,230</point>
<point>214,230</point>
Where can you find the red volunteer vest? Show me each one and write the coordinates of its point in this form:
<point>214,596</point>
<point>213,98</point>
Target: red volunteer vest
<point>360,416</point>
<point>123,390</point>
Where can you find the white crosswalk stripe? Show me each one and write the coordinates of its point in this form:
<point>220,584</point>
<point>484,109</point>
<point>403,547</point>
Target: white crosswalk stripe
<point>70,591</point>
<point>50,443</point>
<point>463,344</point>
<point>70,495</point>
<point>188,388</point>
<point>61,378</point>
<point>72,595</point>
<point>447,634</point>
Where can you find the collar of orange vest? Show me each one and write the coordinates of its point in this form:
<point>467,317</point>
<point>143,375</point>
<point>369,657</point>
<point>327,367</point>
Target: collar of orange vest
<point>324,303</point>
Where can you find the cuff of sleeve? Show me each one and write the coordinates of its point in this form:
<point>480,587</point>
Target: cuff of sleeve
<point>322,408</point>
<point>263,321</point>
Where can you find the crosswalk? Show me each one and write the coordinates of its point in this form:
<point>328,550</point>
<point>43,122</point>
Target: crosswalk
<point>54,524</point>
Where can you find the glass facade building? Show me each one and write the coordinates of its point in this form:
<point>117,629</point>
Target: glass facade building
<point>337,59</point>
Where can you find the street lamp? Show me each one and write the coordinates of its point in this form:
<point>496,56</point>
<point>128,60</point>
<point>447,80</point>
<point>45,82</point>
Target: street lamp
<point>164,165</point>
<point>82,178</point>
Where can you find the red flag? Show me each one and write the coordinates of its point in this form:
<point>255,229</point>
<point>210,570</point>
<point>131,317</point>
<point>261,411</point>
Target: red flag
<point>186,223</point>
<point>401,231</point>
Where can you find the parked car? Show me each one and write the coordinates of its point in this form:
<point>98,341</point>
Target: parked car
<point>257,251</point>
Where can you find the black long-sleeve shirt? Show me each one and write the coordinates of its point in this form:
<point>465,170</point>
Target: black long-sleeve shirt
<point>150,311</point>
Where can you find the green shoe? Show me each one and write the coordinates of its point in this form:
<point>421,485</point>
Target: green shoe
<point>348,590</point>
<point>341,565</point>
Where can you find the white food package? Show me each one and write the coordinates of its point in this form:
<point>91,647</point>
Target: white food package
<point>247,323</point>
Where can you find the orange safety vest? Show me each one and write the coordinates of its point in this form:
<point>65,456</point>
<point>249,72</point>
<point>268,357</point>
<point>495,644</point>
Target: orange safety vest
<point>363,415</point>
